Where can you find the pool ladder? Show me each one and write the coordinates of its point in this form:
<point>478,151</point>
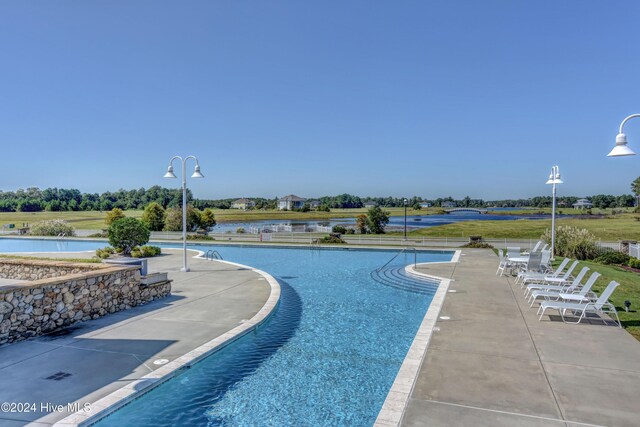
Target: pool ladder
<point>211,255</point>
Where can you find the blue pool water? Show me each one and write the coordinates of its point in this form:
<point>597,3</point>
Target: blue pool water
<point>326,357</point>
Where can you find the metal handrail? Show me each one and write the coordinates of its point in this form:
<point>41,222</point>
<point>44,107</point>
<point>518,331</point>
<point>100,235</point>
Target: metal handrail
<point>212,254</point>
<point>415,257</point>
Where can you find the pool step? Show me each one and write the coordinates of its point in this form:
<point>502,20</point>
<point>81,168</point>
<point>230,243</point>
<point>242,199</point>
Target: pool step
<point>396,277</point>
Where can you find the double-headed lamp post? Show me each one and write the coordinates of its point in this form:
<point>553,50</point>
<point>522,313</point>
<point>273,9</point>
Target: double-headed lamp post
<point>554,179</point>
<point>196,174</point>
<point>621,148</point>
<point>405,201</point>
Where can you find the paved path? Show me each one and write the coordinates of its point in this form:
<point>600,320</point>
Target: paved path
<point>106,354</point>
<point>494,364</point>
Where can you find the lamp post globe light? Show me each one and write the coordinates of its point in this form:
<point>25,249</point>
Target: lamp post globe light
<point>554,179</point>
<point>621,148</point>
<point>405,201</point>
<point>196,174</point>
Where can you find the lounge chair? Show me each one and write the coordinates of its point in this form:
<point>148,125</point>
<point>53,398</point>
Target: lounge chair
<point>600,306</point>
<point>503,264</point>
<point>546,286</point>
<point>561,280</point>
<point>572,292</point>
<point>540,276</point>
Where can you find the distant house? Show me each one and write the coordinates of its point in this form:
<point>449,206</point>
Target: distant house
<point>448,204</point>
<point>370,204</point>
<point>425,204</point>
<point>243,204</point>
<point>313,204</point>
<point>583,204</point>
<point>290,202</point>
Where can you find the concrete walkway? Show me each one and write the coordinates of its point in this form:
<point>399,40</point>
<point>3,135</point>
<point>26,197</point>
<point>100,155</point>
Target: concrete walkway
<point>106,354</point>
<point>492,363</point>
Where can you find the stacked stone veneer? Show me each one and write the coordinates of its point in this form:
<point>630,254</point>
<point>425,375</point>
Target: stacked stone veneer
<point>59,294</point>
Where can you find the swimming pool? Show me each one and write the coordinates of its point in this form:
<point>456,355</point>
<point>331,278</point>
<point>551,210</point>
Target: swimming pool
<point>327,356</point>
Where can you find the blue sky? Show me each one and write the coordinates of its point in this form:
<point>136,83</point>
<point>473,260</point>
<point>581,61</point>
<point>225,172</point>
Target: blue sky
<point>432,98</point>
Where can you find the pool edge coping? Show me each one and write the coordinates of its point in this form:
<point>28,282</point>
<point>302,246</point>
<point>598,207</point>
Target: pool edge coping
<point>395,404</point>
<point>113,401</point>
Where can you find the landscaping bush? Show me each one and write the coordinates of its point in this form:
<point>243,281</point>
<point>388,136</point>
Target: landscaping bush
<point>331,239</point>
<point>634,263</point>
<point>339,229</point>
<point>612,257</point>
<point>105,252</point>
<point>113,215</point>
<point>350,231</point>
<point>573,242</point>
<point>145,251</point>
<point>478,245</point>
<point>101,234</point>
<point>240,230</point>
<point>54,227</point>
<point>127,233</point>
<point>199,237</point>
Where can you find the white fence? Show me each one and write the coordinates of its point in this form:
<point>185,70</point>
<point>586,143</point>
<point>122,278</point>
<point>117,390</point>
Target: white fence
<point>634,250</point>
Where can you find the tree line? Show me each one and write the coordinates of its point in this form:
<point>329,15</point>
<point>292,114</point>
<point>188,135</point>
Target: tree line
<point>59,199</point>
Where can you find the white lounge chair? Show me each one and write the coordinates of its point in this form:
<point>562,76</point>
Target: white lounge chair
<point>561,280</point>
<point>601,305</point>
<point>558,288</point>
<point>539,276</point>
<point>579,295</point>
<point>504,263</point>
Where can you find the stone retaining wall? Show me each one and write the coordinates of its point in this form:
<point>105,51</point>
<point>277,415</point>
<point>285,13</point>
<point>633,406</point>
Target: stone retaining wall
<point>21,269</point>
<point>47,304</point>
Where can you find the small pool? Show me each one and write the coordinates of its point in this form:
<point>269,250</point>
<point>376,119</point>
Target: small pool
<point>326,357</point>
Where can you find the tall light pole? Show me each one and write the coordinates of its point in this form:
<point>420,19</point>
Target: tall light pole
<point>196,174</point>
<point>405,218</point>
<point>554,179</point>
<point>621,148</point>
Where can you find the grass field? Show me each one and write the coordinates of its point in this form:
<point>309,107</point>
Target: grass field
<point>611,228</point>
<point>89,220</point>
<point>629,289</point>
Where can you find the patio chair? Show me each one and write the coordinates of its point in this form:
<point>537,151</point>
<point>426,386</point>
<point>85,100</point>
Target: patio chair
<point>546,286</point>
<point>536,276</point>
<point>570,293</point>
<point>600,306</point>
<point>504,263</point>
<point>549,280</point>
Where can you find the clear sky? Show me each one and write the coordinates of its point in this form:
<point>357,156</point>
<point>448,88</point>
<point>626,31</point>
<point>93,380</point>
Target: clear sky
<point>432,98</point>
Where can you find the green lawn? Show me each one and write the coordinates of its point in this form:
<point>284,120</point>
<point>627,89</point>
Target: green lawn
<point>611,228</point>
<point>90,220</point>
<point>629,289</point>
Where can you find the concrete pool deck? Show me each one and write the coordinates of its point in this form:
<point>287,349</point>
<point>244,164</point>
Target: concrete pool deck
<point>490,362</point>
<point>106,354</point>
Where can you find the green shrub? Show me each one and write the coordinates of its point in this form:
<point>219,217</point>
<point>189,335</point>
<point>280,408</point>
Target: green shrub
<point>612,257</point>
<point>351,231</point>
<point>199,237</point>
<point>101,234</point>
<point>634,262</point>
<point>331,239</point>
<point>339,229</point>
<point>113,215</point>
<point>573,242</point>
<point>240,230</point>
<point>54,227</point>
<point>145,251</point>
<point>127,233</point>
<point>105,252</point>
<point>480,245</point>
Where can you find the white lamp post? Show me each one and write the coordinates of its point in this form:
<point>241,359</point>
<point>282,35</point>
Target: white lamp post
<point>405,201</point>
<point>554,179</point>
<point>196,174</point>
<point>621,148</point>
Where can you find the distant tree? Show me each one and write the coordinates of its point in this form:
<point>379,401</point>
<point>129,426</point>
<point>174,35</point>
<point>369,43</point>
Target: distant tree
<point>127,233</point>
<point>173,221</point>
<point>113,215</point>
<point>376,220</point>
<point>635,188</point>
<point>361,223</point>
<point>153,216</point>
<point>417,207</point>
<point>207,219</point>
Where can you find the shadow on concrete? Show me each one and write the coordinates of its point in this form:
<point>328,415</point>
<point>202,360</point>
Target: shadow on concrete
<point>68,374</point>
